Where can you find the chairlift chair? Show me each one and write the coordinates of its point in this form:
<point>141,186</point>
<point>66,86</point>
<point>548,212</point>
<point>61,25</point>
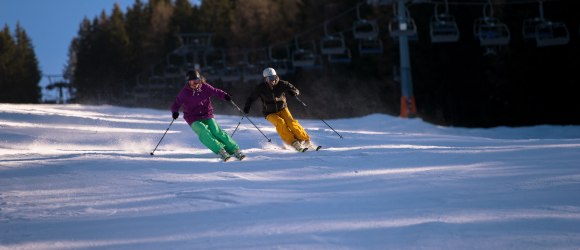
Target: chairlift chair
<point>214,58</point>
<point>551,34</point>
<point>252,73</point>
<point>365,29</point>
<point>491,32</point>
<point>529,27</point>
<point>331,45</point>
<point>344,57</point>
<point>443,29</point>
<point>544,32</point>
<point>303,58</point>
<point>370,46</point>
<point>280,65</point>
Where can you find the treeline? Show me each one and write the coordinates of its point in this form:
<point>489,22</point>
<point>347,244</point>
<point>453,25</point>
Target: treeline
<point>19,70</point>
<point>111,51</point>
<point>454,84</point>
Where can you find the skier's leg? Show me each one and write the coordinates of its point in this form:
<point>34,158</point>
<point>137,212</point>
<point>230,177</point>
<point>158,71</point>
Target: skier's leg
<point>230,145</point>
<point>206,137</point>
<point>281,128</point>
<point>294,126</point>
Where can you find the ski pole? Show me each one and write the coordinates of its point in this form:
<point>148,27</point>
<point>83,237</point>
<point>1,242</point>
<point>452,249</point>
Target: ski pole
<point>239,109</point>
<point>237,127</point>
<point>162,137</point>
<point>306,106</point>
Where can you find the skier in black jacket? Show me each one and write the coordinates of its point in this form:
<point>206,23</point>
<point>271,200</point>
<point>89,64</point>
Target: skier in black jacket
<point>272,94</point>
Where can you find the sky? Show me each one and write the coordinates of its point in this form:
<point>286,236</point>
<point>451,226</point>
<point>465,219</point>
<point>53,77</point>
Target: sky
<point>82,177</point>
<point>52,24</point>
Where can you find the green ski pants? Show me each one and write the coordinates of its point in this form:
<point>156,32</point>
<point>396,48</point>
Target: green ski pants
<point>213,137</point>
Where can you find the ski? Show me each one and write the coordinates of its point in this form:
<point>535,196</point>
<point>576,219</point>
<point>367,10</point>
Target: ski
<point>232,157</point>
<point>226,159</point>
<point>315,148</point>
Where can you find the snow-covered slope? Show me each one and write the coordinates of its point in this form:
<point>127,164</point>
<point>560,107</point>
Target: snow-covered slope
<point>81,177</point>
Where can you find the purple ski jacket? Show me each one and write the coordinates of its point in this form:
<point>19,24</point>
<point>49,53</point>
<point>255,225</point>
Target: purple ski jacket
<point>196,104</point>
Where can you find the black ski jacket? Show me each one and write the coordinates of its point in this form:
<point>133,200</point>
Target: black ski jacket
<point>273,99</point>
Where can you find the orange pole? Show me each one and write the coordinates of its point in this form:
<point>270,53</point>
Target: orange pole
<point>404,107</point>
<point>408,107</point>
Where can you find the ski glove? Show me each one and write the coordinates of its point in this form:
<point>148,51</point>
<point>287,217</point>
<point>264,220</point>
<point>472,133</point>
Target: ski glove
<point>175,115</point>
<point>295,93</point>
<point>228,97</point>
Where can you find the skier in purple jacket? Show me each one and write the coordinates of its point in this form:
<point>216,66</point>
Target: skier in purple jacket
<point>198,113</point>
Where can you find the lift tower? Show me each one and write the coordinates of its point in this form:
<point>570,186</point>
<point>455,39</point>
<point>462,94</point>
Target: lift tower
<point>401,27</point>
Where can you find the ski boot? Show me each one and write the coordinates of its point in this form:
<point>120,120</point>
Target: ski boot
<point>298,146</point>
<point>224,155</point>
<point>238,154</point>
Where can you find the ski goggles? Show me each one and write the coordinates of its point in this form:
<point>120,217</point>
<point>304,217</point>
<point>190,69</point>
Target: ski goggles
<point>272,78</point>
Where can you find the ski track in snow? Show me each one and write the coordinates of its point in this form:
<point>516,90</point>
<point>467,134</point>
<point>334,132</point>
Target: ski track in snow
<point>81,177</point>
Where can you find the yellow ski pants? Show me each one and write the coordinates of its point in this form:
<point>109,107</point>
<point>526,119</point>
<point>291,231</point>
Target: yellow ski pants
<point>288,128</point>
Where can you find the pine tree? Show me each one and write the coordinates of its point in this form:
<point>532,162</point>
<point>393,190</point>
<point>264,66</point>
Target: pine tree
<point>7,55</point>
<point>118,43</point>
<point>136,24</point>
<point>30,74</point>
<point>19,71</point>
<point>79,63</point>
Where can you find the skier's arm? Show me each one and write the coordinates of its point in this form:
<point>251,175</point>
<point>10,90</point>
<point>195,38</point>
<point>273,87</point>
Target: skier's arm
<point>290,88</point>
<point>177,103</point>
<point>217,92</point>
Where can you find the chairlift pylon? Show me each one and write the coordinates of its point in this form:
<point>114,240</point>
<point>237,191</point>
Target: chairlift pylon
<point>402,24</point>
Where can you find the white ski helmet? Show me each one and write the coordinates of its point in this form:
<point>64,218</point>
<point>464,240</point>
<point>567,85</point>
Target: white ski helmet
<point>269,72</point>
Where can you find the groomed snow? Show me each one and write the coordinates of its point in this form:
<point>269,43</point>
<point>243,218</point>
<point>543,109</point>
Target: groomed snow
<point>81,177</point>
